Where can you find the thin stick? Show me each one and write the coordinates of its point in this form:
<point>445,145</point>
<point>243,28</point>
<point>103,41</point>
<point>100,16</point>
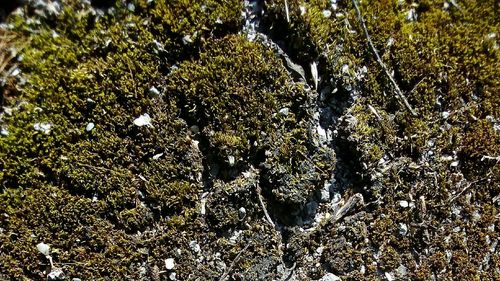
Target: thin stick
<point>269,220</point>
<point>100,168</point>
<point>226,273</point>
<point>287,13</point>
<point>379,60</point>
<point>464,189</point>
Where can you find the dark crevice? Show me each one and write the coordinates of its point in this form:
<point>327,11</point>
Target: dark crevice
<point>332,107</point>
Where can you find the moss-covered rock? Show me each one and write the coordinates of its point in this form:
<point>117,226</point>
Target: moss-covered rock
<point>152,130</point>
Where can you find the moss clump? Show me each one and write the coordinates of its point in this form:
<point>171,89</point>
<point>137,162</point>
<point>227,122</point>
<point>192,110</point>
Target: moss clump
<point>219,94</point>
<point>241,121</point>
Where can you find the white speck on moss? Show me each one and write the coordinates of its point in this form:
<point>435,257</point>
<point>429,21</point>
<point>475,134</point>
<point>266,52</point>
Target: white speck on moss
<point>4,132</point>
<point>43,248</point>
<point>195,246</point>
<point>42,127</point>
<point>90,126</point>
<point>169,263</point>
<point>157,156</point>
<point>143,120</point>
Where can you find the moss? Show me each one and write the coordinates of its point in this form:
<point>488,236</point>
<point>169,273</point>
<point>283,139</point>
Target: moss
<point>88,192</point>
<point>118,199</point>
<point>240,118</point>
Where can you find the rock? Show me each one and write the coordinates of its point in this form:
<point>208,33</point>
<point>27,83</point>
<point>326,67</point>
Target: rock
<point>4,132</point>
<point>194,129</point>
<point>231,160</point>
<point>412,15</point>
<point>312,207</point>
<point>187,40</point>
<point>319,251</point>
<point>172,276</point>
<point>195,246</point>
<point>403,229</point>
<point>154,92</point>
<point>403,204</point>
<point>284,111</point>
<point>325,193</point>
<point>157,156</point>
<point>169,263</point>
<point>389,276</point>
<point>401,271</point>
<point>242,213</point>
<point>90,126</point>
<point>143,120</point>
<point>303,10</point>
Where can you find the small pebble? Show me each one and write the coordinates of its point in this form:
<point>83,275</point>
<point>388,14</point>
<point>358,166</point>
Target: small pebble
<point>320,250</point>
<point>4,132</point>
<point>169,263</point>
<point>56,274</point>
<point>242,213</point>
<point>327,13</point>
<point>172,276</point>
<point>330,277</point>
<point>194,246</point>
<point>411,15</point>
<point>194,129</point>
<point>231,160</point>
<point>187,40</point>
<point>284,111</point>
<point>90,126</point>
<point>403,229</point>
<point>402,271</point>
<point>325,193</point>
<point>154,92</point>
<point>143,120</point>
<point>157,156</point>
<point>302,10</point>
<point>403,204</point>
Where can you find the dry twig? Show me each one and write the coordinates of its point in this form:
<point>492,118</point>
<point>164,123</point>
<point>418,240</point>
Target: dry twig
<point>226,273</point>
<point>259,191</point>
<point>379,60</point>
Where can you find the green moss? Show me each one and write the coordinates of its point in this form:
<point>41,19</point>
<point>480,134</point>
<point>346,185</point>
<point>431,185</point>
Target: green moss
<point>120,198</point>
<point>88,192</point>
